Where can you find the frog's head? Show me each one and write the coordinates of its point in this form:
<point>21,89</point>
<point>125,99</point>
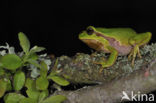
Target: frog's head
<point>90,37</point>
<point>88,33</point>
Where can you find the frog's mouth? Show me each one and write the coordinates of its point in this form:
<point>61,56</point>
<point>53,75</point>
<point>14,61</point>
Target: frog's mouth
<point>97,45</point>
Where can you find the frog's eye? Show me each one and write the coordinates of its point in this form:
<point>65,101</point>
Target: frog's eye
<point>90,31</point>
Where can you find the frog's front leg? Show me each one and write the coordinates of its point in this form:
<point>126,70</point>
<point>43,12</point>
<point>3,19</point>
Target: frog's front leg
<point>136,42</point>
<point>111,60</point>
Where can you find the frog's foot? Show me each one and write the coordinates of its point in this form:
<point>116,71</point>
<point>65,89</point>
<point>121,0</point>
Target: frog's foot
<point>103,64</point>
<point>135,51</point>
<point>110,61</point>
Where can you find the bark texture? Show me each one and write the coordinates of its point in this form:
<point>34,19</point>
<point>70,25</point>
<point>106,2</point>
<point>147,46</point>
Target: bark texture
<point>112,81</point>
<point>143,81</point>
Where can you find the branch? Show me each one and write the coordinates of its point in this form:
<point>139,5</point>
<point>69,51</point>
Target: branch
<point>120,77</point>
<point>82,67</point>
<point>139,81</point>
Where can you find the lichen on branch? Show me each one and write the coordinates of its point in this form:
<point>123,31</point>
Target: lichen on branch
<point>113,80</point>
<point>82,67</point>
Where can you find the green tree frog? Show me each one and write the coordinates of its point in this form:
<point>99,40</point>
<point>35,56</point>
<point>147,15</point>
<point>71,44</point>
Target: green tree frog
<point>117,41</point>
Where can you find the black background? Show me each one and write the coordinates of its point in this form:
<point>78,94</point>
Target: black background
<point>55,25</point>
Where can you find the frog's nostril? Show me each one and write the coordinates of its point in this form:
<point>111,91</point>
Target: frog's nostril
<point>90,31</point>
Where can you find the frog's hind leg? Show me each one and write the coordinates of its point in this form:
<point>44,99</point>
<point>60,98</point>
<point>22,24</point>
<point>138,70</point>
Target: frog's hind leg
<point>136,42</point>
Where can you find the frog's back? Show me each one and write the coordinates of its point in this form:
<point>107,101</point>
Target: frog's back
<point>121,34</point>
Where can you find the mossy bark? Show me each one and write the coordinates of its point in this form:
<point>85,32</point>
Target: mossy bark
<point>113,80</point>
<point>82,67</point>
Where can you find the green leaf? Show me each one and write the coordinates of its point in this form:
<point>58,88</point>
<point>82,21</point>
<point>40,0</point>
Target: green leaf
<point>52,73</point>
<point>33,56</point>
<point>36,49</point>
<point>28,100</point>
<point>3,87</point>
<point>2,72</point>
<point>11,61</point>
<point>55,99</point>
<point>34,94</point>
<point>13,98</point>
<point>19,80</point>
<point>34,62</point>
<point>43,95</point>
<point>42,83</point>
<point>59,80</point>
<point>9,86</point>
<point>7,80</point>
<point>30,84</point>
<point>1,63</point>
<point>24,42</point>
<point>44,69</point>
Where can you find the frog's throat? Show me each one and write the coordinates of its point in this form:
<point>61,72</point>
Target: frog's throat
<point>95,45</point>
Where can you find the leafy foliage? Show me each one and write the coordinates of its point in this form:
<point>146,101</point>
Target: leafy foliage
<point>19,80</point>
<point>13,98</point>
<point>13,60</point>
<point>55,99</point>
<point>24,42</point>
<point>42,83</point>
<point>59,80</point>
<point>15,70</point>
<point>3,87</point>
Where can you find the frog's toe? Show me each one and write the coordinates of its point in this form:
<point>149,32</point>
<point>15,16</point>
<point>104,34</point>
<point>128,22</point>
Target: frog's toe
<point>130,55</point>
<point>101,69</point>
<point>102,66</point>
<point>139,55</point>
<point>100,63</point>
<point>135,52</point>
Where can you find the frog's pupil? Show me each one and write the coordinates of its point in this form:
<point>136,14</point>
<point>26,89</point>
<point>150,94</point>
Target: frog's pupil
<point>90,31</point>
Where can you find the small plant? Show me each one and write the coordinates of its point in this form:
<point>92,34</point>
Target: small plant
<point>14,70</point>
